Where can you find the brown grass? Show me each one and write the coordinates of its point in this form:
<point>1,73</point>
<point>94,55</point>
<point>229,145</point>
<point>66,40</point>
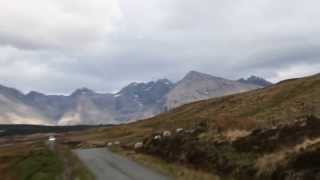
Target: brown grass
<point>232,135</point>
<point>235,115</point>
<point>306,143</point>
<point>267,164</point>
<point>176,171</point>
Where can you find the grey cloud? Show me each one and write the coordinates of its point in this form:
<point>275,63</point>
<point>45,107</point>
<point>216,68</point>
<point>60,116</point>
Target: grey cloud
<point>57,46</point>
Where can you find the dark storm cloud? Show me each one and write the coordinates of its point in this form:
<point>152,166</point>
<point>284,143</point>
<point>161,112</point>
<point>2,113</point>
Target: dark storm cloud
<point>56,46</point>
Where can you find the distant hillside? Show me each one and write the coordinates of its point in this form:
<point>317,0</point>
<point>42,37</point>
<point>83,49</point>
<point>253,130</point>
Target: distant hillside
<point>270,133</point>
<point>9,130</point>
<point>282,103</point>
<point>272,105</point>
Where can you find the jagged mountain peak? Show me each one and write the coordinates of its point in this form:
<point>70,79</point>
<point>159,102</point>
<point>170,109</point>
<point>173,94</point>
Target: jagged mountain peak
<point>148,86</point>
<point>195,75</point>
<point>255,80</point>
<point>34,93</point>
<point>83,91</point>
<point>164,81</point>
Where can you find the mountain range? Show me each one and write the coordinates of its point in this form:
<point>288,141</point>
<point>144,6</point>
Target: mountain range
<point>133,102</point>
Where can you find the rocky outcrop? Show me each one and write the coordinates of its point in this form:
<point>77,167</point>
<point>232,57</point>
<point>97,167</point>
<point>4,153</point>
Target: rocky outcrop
<point>255,80</point>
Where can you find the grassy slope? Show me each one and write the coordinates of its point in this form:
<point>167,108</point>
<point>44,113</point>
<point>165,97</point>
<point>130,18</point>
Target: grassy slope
<point>268,107</point>
<point>265,107</point>
<point>29,161</point>
<point>259,108</point>
<point>34,161</point>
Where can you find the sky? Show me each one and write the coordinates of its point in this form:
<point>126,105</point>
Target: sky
<point>57,46</point>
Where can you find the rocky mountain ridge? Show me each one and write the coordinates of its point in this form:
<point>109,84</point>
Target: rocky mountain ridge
<point>255,80</point>
<point>133,102</point>
<point>196,86</point>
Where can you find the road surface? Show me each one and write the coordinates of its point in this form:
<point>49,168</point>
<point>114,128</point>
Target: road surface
<point>106,165</point>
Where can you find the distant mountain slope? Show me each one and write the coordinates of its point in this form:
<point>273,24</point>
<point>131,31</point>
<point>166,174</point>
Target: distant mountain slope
<point>142,100</point>
<point>14,111</point>
<point>51,106</point>
<point>83,106</point>
<point>133,102</point>
<point>280,103</point>
<point>197,86</point>
<point>256,80</point>
<point>88,107</point>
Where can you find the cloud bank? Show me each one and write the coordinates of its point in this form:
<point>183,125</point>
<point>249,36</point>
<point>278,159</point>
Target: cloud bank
<point>56,46</point>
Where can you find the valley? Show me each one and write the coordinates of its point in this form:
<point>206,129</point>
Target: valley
<point>159,90</point>
<point>269,133</point>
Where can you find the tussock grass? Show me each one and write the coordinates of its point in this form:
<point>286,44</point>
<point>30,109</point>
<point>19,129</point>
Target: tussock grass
<point>35,161</point>
<point>29,162</point>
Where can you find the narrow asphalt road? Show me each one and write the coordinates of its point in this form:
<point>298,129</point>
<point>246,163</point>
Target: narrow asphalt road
<point>106,165</point>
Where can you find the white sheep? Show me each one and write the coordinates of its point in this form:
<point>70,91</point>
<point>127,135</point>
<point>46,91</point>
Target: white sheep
<point>116,143</point>
<point>179,130</point>
<point>166,133</point>
<point>110,144</point>
<point>157,137</point>
<point>138,145</point>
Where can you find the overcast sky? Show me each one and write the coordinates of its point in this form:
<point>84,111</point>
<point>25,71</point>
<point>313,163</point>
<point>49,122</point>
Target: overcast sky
<point>56,46</point>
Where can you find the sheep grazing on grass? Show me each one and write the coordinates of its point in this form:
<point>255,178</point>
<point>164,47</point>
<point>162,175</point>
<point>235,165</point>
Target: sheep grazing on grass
<point>179,130</point>
<point>166,133</point>
<point>157,137</point>
<point>138,145</point>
